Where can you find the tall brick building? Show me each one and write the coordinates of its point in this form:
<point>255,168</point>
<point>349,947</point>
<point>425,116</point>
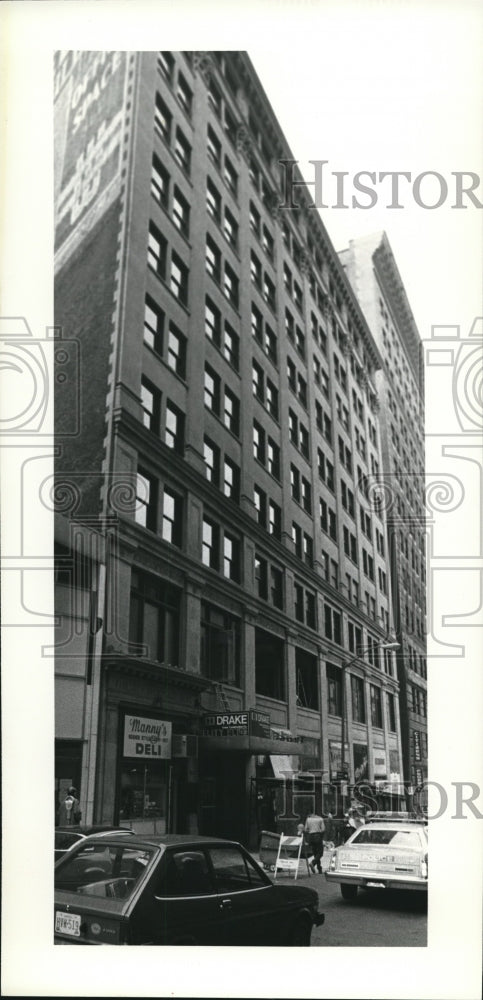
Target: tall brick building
<point>222,566</point>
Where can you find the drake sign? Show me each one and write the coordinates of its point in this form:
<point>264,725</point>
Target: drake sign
<point>149,738</point>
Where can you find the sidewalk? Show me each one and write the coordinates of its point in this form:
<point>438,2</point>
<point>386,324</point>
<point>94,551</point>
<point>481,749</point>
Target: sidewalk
<point>302,872</point>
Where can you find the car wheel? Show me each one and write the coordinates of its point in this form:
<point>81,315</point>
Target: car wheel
<point>301,933</point>
<point>349,892</point>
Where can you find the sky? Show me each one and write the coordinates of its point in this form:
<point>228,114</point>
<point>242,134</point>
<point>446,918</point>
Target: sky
<point>384,91</point>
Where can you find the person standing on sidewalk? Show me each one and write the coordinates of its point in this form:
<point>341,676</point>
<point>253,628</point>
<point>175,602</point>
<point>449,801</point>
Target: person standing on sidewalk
<point>314,828</point>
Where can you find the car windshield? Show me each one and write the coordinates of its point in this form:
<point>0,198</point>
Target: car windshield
<point>103,870</point>
<point>65,840</point>
<point>396,838</point>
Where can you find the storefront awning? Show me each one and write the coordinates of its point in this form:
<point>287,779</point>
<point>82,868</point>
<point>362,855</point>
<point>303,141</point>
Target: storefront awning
<point>281,763</point>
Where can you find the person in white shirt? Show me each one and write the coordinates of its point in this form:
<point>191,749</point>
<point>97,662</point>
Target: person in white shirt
<point>314,828</point>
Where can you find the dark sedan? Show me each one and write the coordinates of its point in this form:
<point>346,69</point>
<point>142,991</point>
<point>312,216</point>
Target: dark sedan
<point>66,837</point>
<point>175,890</point>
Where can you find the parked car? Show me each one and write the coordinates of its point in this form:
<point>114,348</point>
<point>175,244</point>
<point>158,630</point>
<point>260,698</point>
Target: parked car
<point>382,854</point>
<point>175,890</point>
<point>66,837</point>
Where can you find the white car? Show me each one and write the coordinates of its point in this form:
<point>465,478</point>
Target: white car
<point>382,854</point>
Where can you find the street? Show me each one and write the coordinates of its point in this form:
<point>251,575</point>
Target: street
<point>376,918</point>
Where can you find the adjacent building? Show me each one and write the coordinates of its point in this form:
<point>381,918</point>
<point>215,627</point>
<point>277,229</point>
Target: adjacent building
<point>219,530</point>
<point>373,272</point>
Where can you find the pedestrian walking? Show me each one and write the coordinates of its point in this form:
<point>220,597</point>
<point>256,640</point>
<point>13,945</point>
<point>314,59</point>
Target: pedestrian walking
<point>314,828</point>
<point>69,811</point>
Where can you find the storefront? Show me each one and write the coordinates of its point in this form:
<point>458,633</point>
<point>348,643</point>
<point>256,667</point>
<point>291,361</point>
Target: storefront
<point>234,798</point>
<point>148,761</point>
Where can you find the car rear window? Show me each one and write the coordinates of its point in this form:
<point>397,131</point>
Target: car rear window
<point>103,870</point>
<point>65,840</point>
<point>397,838</point>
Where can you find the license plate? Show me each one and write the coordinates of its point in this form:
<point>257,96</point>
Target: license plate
<point>68,923</point>
<point>376,885</point>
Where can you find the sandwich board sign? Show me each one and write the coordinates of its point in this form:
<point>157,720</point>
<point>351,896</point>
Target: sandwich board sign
<point>289,855</point>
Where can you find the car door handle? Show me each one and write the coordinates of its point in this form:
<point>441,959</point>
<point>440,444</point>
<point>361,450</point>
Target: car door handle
<point>225,904</point>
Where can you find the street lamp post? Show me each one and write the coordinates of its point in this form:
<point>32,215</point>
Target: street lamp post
<point>345,666</point>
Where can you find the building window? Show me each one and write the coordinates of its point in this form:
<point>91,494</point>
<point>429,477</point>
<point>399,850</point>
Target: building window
<point>231,480</point>
<point>220,645</point>
<point>213,259</point>
<point>212,390</point>
<point>214,148</point>
<point>172,518</point>
<point>166,65</point>
<point>212,322</point>
<point>258,442</point>
<point>153,326</point>
<point>177,351</point>
<point>231,558</point>
<point>347,499</point>
<point>276,587</point>
<point>272,399</point>
<point>179,279</point>
<point>350,545</point>
<point>184,95</point>
<point>214,98</point>
<point>297,539</point>
<point>332,624</point>
<point>231,413</point>
<point>273,454</point>
<point>304,441</point>
<point>174,431</point>
<point>212,461</point>
<point>307,679</point>
<point>160,182</point>
<point>295,483</point>
<point>231,177</point>
<point>210,550</point>
<point>151,404</point>
<point>154,618</point>
<point>308,547</point>
<point>391,712</point>
<point>157,251</point>
<point>146,500</point>
<point>376,707</point>
<point>261,577</point>
<point>182,151</point>
<point>230,228</point>
<point>213,200</point>
<point>260,501</point>
<point>230,285</point>
<point>163,119</point>
<point>274,520</point>
<point>269,665</point>
<point>231,346</point>
<point>306,496</point>
<point>328,519</point>
<point>334,689</point>
<point>181,212</point>
<point>355,636</point>
<point>358,699</point>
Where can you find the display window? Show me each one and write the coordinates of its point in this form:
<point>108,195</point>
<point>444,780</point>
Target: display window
<point>144,790</point>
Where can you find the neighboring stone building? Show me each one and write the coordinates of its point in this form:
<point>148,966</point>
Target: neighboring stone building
<point>373,272</point>
<point>232,552</point>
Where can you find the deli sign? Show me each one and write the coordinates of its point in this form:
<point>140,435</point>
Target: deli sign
<point>147,738</point>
